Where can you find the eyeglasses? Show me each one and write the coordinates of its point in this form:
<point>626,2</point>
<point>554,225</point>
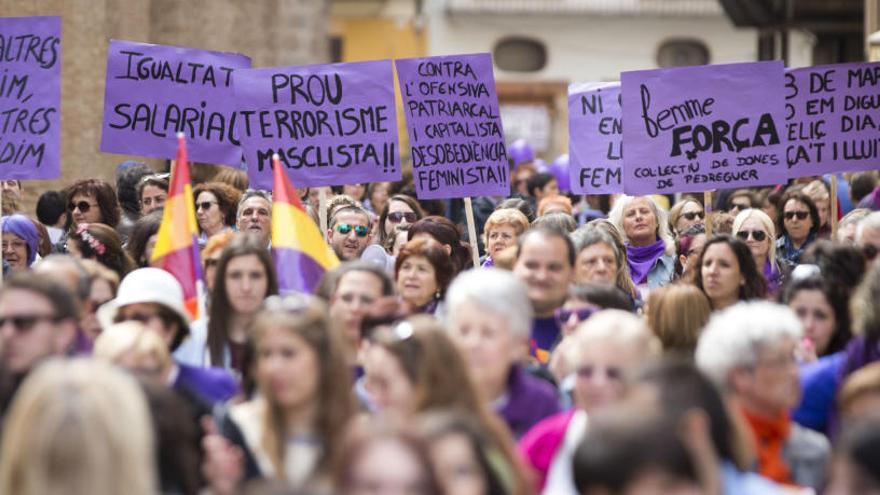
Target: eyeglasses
<point>359,230</point>
<point>83,206</point>
<point>739,206</point>
<point>758,235</point>
<point>693,214</point>
<point>397,216</point>
<point>802,215</point>
<point>563,315</point>
<point>870,251</point>
<point>205,205</point>
<point>611,372</point>
<point>25,323</point>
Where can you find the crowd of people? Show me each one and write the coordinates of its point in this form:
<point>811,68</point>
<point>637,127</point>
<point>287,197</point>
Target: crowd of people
<point>600,345</point>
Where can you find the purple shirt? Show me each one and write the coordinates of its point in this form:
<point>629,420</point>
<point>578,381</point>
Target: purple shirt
<point>528,401</point>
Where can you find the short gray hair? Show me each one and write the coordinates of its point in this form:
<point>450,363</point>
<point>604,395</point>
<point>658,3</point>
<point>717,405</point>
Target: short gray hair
<point>735,337</point>
<point>496,291</point>
<point>253,193</point>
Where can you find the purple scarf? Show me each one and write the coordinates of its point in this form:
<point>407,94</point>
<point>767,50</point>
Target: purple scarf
<point>771,274</point>
<point>642,259</point>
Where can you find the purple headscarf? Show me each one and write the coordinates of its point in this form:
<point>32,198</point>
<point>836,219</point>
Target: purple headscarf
<point>23,227</point>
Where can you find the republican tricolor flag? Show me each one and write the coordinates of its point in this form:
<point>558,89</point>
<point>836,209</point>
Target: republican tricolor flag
<point>177,246</point>
<point>301,255</point>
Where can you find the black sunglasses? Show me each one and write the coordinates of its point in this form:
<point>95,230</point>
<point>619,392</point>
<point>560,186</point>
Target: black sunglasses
<point>563,315</point>
<point>83,206</point>
<point>205,205</point>
<point>758,235</point>
<point>738,207</point>
<point>693,214</point>
<point>24,323</point>
<point>359,230</point>
<point>802,215</point>
<point>397,216</point>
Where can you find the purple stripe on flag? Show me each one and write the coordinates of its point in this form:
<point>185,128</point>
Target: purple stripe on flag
<point>297,271</point>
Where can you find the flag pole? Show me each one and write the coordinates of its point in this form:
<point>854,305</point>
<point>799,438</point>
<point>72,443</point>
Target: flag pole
<point>472,230</point>
<point>322,211</point>
<point>833,213</point>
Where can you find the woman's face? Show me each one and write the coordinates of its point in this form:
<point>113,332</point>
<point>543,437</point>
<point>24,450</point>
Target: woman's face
<point>596,263</point>
<point>246,283</point>
<point>15,251</point>
<point>721,274</point>
<point>600,373</point>
<point>639,222</point>
<point>208,213</point>
<point>457,465</point>
<point>499,238</point>
<point>100,293</point>
<point>751,229</point>
<point>797,220</point>
<point>399,216</point>
<point>693,252</point>
<point>416,280</point>
<point>152,198</point>
<point>486,343</point>
<point>691,214</point>
<point>573,313</point>
<point>356,191</point>
<point>211,268</point>
<point>389,467</point>
<point>774,383</point>
<point>379,196</point>
<point>824,208</point>
<point>817,316</point>
<point>84,209</point>
<point>391,390</point>
<point>287,368</point>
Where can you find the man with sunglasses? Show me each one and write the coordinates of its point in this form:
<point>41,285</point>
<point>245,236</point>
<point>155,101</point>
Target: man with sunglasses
<point>868,236</point>
<point>38,320</point>
<point>349,232</point>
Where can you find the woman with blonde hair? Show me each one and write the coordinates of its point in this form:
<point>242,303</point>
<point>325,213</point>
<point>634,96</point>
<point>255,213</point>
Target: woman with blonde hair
<point>502,229</point>
<point>676,314</point>
<point>78,427</point>
<point>650,249</point>
<point>756,229</point>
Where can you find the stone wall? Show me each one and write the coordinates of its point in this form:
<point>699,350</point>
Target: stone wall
<point>271,32</point>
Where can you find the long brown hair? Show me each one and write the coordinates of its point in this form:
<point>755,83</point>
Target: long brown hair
<point>441,380</point>
<point>221,310</point>
<point>334,401</point>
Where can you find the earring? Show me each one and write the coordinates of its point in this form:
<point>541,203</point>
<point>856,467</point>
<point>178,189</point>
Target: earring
<point>437,294</point>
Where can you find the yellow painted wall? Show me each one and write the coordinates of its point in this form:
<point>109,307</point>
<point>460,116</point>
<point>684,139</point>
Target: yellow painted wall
<point>375,39</point>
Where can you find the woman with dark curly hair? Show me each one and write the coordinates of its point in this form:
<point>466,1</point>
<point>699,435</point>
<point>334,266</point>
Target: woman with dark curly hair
<point>798,225</point>
<point>96,241</point>
<point>423,271</point>
<point>726,272</point>
<point>91,201</point>
<point>216,204</point>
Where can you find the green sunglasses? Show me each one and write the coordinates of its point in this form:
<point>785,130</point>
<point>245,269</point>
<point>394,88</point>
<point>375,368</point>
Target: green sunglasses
<point>345,229</point>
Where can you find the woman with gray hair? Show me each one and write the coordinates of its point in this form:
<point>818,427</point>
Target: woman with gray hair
<point>601,256</point>
<point>750,350</point>
<point>489,317</point>
<point>650,249</point>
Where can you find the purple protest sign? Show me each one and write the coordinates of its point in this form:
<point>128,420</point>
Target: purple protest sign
<point>595,138</point>
<point>30,97</point>
<point>331,124</point>
<point>155,91</point>
<point>700,128</point>
<point>455,133</point>
<point>832,118</point>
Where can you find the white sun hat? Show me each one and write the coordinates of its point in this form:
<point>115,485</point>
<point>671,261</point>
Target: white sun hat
<point>145,285</point>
